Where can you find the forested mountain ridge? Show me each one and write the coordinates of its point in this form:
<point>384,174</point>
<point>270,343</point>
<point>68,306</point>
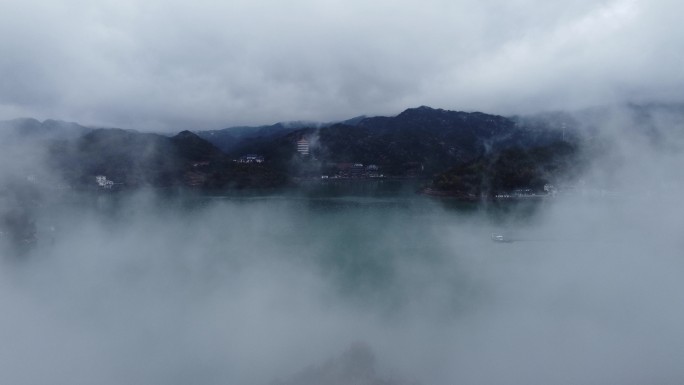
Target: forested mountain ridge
<point>471,153</point>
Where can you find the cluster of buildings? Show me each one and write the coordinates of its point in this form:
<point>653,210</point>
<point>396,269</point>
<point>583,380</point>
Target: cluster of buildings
<point>522,193</point>
<point>355,170</point>
<point>250,158</point>
<point>103,182</point>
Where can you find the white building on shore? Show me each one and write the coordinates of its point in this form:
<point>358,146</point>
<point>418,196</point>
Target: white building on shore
<point>103,182</point>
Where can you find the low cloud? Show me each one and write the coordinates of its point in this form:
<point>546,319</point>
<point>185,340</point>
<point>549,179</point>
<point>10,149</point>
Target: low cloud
<point>170,66</point>
<point>142,288</point>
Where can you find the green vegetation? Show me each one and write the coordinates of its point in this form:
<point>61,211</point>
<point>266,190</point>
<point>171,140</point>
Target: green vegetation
<point>132,159</point>
<point>512,169</point>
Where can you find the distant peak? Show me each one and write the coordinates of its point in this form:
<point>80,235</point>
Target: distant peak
<point>186,134</point>
<point>25,121</point>
<point>422,110</point>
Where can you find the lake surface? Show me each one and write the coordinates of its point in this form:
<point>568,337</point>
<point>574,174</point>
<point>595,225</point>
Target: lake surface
<point>262,289</point>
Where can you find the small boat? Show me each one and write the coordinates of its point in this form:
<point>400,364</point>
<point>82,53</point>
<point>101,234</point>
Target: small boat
<point>500,238</point>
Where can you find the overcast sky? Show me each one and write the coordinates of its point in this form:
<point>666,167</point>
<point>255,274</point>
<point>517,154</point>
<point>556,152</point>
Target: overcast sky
<point>172,65</point>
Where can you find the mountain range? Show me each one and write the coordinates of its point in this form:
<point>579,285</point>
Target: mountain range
<point>458,153</point>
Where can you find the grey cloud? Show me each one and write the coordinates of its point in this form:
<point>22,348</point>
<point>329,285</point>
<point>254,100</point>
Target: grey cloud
<point>172,65</point>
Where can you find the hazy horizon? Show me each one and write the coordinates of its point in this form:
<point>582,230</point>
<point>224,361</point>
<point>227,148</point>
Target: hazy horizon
<point>605,108</point>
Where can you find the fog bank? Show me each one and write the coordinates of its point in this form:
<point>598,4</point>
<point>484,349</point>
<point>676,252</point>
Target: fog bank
<point>143,287</point>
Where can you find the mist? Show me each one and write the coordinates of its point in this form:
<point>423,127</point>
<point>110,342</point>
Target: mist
<point>150,287</point>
